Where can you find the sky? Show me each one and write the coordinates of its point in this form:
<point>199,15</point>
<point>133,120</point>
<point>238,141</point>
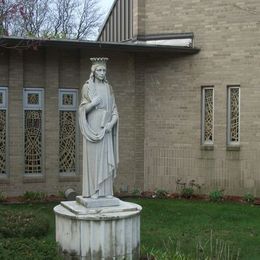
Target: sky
<point>106,4</point>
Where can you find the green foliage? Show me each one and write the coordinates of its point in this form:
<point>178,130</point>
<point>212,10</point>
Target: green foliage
<point>20,224</point>
<point>34,196</point>
<point>170,251</point>
<point>203,249</point>
<point>188,223</point>
<point>249,198</point>
<point>61,194</point>
<point>28,249</point>
<point>187,192</point>
<point>216,195</point>
<point>2,196</point>
<point>160,194</point>
<point>215,249</point>
<point>136,192</point>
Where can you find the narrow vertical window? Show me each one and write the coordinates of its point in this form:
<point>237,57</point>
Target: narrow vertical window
<point>3,130</point>
<point>207,132</point>
<point>67,131</point>
<point>33,134</point>
<point>233,125</point>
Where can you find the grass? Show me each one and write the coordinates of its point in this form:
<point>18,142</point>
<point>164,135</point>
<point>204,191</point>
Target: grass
<point>183,223</point>
<point>188,222</point>
<point>43,248</point>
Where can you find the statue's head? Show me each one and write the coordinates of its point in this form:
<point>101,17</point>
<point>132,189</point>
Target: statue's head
<point>98,69</point>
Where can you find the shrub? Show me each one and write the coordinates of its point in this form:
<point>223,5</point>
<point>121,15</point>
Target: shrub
<point>61,194</point>
<point>34,196</point>
<point>216,195</point>
<point>249,198</point>
<point>187,192</point>
<point>161,194</point>
<point>135,192</point>
<point>2,196</point>
<point>19,224</point>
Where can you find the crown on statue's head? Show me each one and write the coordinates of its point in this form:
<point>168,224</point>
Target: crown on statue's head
<point>99,61</point>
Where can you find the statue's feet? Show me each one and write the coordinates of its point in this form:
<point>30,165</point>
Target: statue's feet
<point>95,196</point>
<point>109,196</point>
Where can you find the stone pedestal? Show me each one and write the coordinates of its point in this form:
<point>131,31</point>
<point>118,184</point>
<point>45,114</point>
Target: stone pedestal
<point>95,233</point>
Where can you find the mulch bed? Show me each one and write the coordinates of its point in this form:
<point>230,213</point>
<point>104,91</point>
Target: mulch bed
<point>21,200</point>
<point>146,194</point>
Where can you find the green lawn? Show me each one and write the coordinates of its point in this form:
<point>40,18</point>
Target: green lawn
<point>185,223</point>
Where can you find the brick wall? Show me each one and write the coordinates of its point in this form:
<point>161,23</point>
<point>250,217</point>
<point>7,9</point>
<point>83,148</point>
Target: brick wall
<point>51,69</point>
<point>228,34</point>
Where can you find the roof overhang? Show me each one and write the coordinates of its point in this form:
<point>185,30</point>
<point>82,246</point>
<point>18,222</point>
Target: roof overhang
<point>34,43</point>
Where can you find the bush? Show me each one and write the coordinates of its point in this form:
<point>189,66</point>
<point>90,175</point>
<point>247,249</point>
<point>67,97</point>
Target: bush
<point>187,192</point>
<point>136,192</point>
<point>249,198</point>
<point>34,196</point>
<point>161,194</point>
<point>2,196</point>
<point>216,195</point>
<point>18,224</point>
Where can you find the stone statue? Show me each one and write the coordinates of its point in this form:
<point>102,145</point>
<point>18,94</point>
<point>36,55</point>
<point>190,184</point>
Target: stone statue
<point>98,120</point>
<point>97,211</point>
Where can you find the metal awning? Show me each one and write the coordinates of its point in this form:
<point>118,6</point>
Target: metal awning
<point>32,43</point>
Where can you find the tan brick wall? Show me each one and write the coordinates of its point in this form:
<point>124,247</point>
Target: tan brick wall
<point>159,100</point>
<point>228,34</point>
<point>51,69</point>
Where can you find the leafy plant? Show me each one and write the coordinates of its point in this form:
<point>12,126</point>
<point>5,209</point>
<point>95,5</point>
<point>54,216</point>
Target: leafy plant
<point>2,196</point>
<point>216,195</point>
<point>249,197</point>
<point>19,224</point>
<point>187,192</point>
<point>61,194</point>
<point>161,194</point>
<point>136,192</point>
<point>34,196</point>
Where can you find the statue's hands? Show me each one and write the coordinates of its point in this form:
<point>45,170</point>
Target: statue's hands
<point>96,101</point>
<point>108,127</point>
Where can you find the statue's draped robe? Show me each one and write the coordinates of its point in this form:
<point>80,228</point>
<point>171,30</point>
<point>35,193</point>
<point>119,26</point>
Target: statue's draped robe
<point>100,149</point>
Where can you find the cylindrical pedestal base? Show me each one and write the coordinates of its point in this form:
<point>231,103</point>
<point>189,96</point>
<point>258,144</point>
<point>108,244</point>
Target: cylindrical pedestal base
<point>98,233</point>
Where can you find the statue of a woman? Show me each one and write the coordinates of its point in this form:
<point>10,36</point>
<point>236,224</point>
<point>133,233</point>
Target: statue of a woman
<point>98,119</point>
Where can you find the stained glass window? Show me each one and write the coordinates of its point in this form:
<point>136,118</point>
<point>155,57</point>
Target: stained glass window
<point>67,99</point>
<point>33,141</point>
<point>233,115</point>
<point>33,98</point>
<point>33,112</point>
<point>67,147</point>
<point>67,131</point>
<point>207,115</point>
<point>3,130</point>
<point>2,142</point>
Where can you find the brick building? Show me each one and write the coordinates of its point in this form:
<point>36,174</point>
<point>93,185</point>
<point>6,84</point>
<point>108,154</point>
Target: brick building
<point>184,114</point>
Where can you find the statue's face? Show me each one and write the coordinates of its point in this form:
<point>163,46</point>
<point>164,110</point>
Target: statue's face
<point>100,72</point>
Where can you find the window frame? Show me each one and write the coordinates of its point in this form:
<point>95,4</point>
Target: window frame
<point>72,108</point>
<point>203,142</point>
<point>35,107</point>
<point>4,106</point>
<point>229,142</point>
